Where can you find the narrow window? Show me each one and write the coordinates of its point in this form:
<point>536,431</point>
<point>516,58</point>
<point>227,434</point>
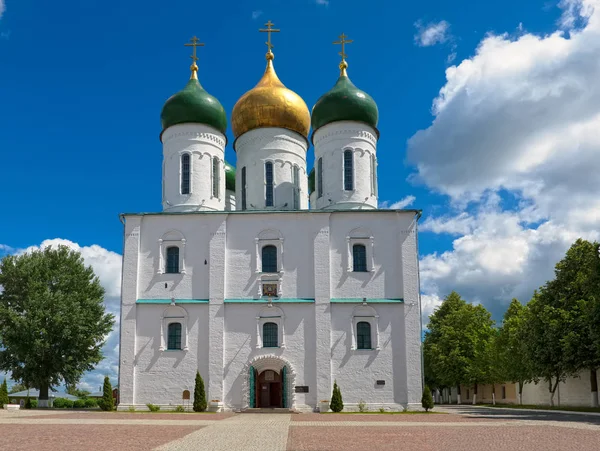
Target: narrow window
<point>269,258</point>
<point>244,188</point>
<point>320,178</point>
<point>359,258</point>
<point>363,335</point>
<point>296,181</point>
<point>348,170</point>
<point>503,392</point>
<point>216,178</point>
<point>185,173</point>
<point>174,341</point>
<point>269,184</point>
<point>270,338</point>
<point>172,260</point>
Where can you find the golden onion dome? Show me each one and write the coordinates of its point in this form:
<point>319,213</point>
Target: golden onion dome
<point>270,104</point>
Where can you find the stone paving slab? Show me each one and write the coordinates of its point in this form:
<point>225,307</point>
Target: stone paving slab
<point>359,438</point>
<point>140,422</point>
<point>413,417</point>
<point>70,415</point>
<point>28,437</point>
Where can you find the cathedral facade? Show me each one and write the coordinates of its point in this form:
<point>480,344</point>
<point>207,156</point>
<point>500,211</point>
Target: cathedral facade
<point>270,280</point>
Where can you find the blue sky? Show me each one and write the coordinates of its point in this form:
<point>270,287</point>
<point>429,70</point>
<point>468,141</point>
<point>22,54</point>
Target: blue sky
<point>487,118</point>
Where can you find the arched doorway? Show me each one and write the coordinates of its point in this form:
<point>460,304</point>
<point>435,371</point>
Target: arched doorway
<point>268,383</point>
<point>268,389</point>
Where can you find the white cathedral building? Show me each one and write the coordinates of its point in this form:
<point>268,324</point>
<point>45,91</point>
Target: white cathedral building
<point>271,281</point>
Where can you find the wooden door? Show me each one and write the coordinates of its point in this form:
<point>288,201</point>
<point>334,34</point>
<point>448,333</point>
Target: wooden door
<point>265,394</point>
<point>276,394</point>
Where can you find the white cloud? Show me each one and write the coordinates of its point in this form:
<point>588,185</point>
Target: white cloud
<point>518,120</point>
<point>432,33</point>
<point>256,14</point>
<point>107,266</point>
<point>322,2</point>
<point>2,8</point>
<point>402,203</point>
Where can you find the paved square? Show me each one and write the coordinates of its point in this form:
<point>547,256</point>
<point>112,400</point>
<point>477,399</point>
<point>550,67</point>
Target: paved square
<point>461,429</point>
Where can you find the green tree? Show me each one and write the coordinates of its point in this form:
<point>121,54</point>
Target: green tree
<point>73,390</point>
<point>3,394</point>
<point>337,404</point>
<point>427,399</point>
<point>17,388</point>
<point>199,394</point>
<point>52,318</point>
<point>107,402</point>
<point>513,363</point>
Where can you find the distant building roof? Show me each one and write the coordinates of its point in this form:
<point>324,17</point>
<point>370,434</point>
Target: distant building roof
<point>33,393</point>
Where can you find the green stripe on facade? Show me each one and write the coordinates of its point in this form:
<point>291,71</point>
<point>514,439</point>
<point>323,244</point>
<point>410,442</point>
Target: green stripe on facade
<point>168,301</point>
<point>369,301</point>
<point>275,301</point>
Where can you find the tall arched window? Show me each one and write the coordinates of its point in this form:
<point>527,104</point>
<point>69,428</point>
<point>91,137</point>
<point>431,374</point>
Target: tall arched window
<point>348,170</point>
<point>172,260</point>
<point>359,258</point>
<point>244,188</point>
<point>296,182</point>
<point>320,178</point>
<point>363,335</point>
<point>174,336</point>
<point>185,173</point>
<point>269,258</point>
<point>269,184</point>
<point>270,335</point>
<point>216,179</point>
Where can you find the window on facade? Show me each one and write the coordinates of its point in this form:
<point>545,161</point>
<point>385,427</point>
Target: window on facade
<point>172,260</point>
<point>174,336</point>
<point>503,392</point>
<point>296,182</point>
<point>244,188</point>
<point>348,170</point>
<point>359,258</point>
<point>215,178</point>
<point>363,335</point>
<point>320,177</point>
<point>269,258</point>
<point>373,175</point>
<point>270,335</point>
<point>185,174</point>
<point>269,184</point>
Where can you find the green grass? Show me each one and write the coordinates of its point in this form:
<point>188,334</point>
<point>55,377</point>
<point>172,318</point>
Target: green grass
<point>536,407</point>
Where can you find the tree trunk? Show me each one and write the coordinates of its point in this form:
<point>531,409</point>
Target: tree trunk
<point>493,394</point>
<point>521,393</point>
<point>594,386</point>
<point>475,394</point>
<point>552,390</point>
<point>43,398</point>
<point>458,394</point>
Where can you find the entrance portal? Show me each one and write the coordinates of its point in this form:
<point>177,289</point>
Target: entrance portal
<point>268,389</point>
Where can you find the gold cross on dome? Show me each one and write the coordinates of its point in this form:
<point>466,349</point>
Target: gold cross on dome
<point>269,30</point>
<point>195,42</point>
<point>343,41</point>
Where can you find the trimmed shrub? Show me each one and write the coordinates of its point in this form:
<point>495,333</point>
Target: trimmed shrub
<point>199,394</point>
<point>153,408</point>
<point>427,399</point>
<point>62,403</point>
<point>90,402</point>
<point>337,405</point>
<point>108,403</point>
<point>34,403</point>
<point>28,403</point>
<point>4,394</point>
<point>79,404</point>
<point>362,407</point>
<point>179,409</point>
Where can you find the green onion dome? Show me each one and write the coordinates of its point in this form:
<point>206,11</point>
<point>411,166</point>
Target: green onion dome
<point>229,177</point>
<point>344,102</point>
<point>194,105</point>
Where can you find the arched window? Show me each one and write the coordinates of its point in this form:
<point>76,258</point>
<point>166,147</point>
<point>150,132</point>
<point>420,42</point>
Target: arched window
<point>215,178</point>
<point>359,258</point>
<point>320,178</point>
<point>269,258</point>
<point>174,336</point>
<point>296,182</point>
<point>269,184</point>
<point>270,335</point>
<point>363,335</point>
<point>185,173</point>
<point>172,260</point>
<point>244,188</point>
<point>348,170</point>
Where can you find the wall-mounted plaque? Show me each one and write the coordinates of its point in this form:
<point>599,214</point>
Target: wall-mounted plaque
<point>380,382</point>
<point>301,389</point>
<point>269,289</point>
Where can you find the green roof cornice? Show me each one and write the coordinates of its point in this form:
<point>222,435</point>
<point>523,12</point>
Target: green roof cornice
<point>194,105</point>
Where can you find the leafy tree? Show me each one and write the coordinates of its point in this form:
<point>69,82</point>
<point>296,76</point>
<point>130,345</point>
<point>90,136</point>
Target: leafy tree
<point>512,360</point>
<point>337,404</point>
<point>17,388</point>
<point>73,390</point>
<point>427,399</point>
<point>3,394</point>
<point>576,290</point>
<point>52,318</point>
<point>107,403</point>
<point>199,394</point>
